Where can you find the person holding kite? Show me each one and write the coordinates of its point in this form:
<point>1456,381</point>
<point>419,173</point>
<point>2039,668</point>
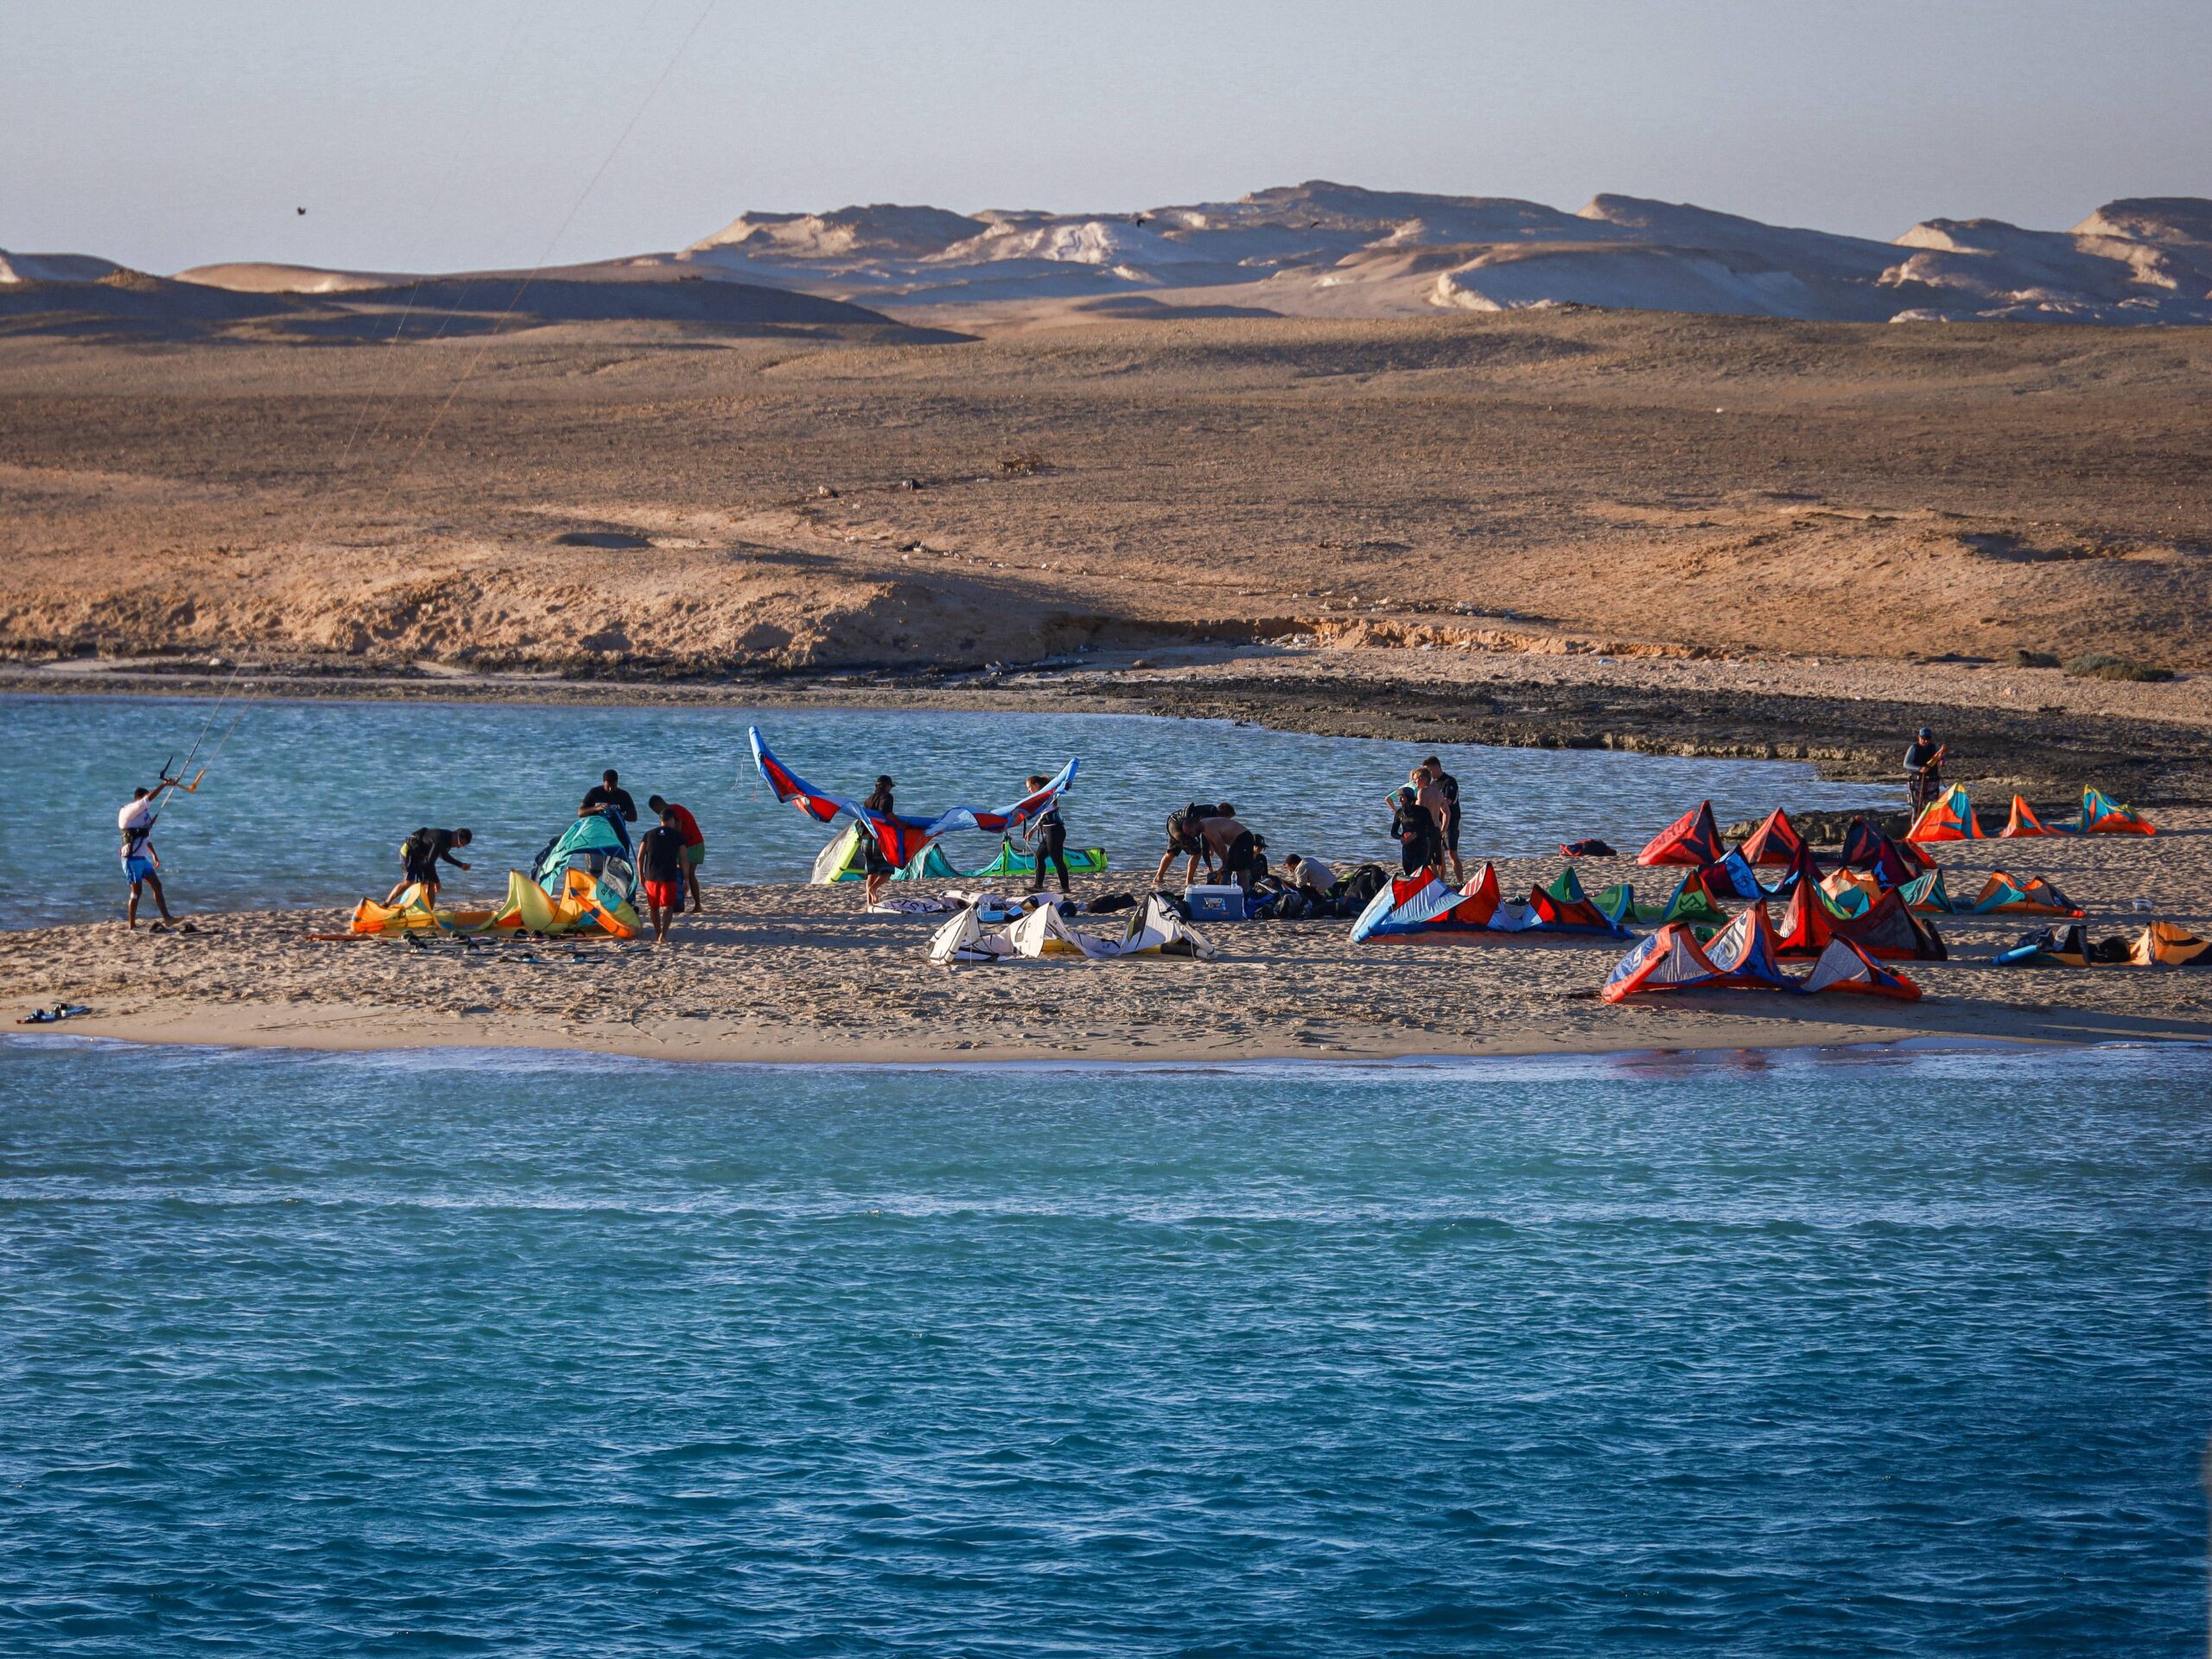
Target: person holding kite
<point>889,841</point>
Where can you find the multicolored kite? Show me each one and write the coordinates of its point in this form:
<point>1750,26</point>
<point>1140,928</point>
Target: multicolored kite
<point>901,839</point>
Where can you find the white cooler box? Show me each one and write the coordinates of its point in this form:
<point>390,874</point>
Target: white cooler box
<point>1216,904</point>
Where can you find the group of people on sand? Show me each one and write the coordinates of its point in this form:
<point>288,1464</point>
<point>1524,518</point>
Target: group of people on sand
<point>668,853</point>
<point>1425,821</point>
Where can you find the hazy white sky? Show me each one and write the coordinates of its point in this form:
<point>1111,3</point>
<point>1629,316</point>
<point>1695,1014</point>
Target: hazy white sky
<point>464,133</point>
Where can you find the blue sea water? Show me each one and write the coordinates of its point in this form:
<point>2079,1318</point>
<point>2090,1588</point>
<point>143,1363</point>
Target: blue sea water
<point>310,801</point>
<point>1754,1354</point>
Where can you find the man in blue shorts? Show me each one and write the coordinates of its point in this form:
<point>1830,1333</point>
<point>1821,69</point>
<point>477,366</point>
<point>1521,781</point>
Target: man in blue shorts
<point>141,864</point>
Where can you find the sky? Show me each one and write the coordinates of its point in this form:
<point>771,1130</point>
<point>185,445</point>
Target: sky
<point>474,133</point>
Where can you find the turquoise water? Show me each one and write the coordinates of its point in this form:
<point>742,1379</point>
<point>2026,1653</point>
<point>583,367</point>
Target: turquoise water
<point>308,804</point>
<point>443,1353</point>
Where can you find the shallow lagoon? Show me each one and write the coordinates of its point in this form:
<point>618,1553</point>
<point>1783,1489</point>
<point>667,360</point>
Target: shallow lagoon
<point>310,800</point>
<point>1752,1355</point>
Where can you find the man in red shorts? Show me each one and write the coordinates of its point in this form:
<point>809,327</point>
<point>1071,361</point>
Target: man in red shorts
<point>695,845</point>
<point>660,863</point>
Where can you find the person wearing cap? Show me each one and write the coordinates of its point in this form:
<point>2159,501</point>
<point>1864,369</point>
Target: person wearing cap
<point>1923,769</point>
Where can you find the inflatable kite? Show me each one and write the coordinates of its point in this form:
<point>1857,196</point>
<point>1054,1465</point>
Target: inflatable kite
<point>900,839</point>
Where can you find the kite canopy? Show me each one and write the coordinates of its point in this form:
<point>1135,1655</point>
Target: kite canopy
<point>1926,892</point>
<point>1732,877</point>
<point>1886,928</point>
<point>2023,822</point>
<point>2101,816</point>
<point>898,838</point>
<point>1694,838</point>
<point>1950,817</point>
<point>1844,967</point>
<point>1775,841</point>
<point>1671,960</point>
<point>2004,894</point>
<point>1425,906</point>
<point>1866,848</point>
<point>1745,953</point>
<point>1690,902</point>
<point>1044,932</point>
<point>2163,946</point>
<point>842,861</point>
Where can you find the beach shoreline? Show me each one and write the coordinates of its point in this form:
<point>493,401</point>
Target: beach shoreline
<point>799,974</point>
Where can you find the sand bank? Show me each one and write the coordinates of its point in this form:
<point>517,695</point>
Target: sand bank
<point>795,973</point>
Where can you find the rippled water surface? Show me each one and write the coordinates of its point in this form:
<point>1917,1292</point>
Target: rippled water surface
<point>310,800</point>
<point>446,1353</point>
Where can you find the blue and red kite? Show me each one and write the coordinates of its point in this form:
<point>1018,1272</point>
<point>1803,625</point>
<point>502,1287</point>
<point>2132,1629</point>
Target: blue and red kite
<point>898,838</point>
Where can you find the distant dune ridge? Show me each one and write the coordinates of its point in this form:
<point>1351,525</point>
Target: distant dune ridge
<point>1324,249</point>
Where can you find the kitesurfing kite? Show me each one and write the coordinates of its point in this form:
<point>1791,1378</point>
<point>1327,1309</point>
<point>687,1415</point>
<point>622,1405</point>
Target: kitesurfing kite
<point>901,839</point>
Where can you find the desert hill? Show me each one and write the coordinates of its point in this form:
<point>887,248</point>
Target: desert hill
<point>292,302</point>
<point>597,500</point>
<point>1327,249</point>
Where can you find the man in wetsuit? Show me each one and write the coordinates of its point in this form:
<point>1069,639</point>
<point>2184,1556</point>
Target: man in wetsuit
<point>141,864</point>
<point>1448,786</point>
<point>1413,827</point>
<point>879,869</point>
<point>1052,832</point>
<point>695,845</point>
<point>419,855</point>
<point>660,872</point>
<point>1923,770</point>
<point>607,793</point>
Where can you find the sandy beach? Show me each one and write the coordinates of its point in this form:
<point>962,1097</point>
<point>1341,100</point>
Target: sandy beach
<point>795,973</point>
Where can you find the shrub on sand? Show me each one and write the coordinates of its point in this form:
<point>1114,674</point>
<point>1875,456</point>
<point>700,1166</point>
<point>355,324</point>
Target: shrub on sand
<point>2097,665</point>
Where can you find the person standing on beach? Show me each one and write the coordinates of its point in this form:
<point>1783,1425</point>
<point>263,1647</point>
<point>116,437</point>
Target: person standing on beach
<point>878,868</point>
<point>1431,796</point>
<point>1052,832</point>
<point>1415,828</point>
<point>695,845</point>
<point>1185,836</point>
<point>141,864</point>
<point>609,792</point>
<point>418,861</point>
<point>1448,786</point>
<point>660,870</point>
<point>1923,769</point>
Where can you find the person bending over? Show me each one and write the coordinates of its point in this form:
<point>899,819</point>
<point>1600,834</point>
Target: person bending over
<point>1051,831</point>
<point>1231,846</point>
<point>1309,875</point>
<point>878,868</point>
<point>419,855</point>
<point>695,845</point>
<point>608,791</point>
<point>1185,836</point>
<point>1448,786</point>
<point>660,869</point>
<point>141,864</point>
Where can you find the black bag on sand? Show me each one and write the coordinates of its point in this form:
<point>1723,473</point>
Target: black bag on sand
<point>1359,889</point>
<point>1112,902</point>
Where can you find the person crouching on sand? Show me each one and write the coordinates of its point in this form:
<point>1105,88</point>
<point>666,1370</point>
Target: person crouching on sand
<point>660,866</point>
<point>140,862</point>
<point>1051,831</point>
<point>695,845</point>
<point>878,868</point>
